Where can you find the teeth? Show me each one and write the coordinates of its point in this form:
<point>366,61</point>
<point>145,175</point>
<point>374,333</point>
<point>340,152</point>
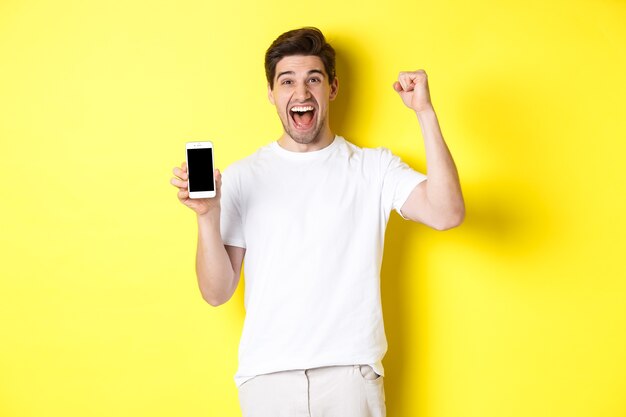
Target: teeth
<point>302,109</point>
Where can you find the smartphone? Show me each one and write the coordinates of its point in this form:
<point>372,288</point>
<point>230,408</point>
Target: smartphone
<point>201,182</point>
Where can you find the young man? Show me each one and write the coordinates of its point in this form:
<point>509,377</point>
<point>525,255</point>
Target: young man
<point>309,213</point>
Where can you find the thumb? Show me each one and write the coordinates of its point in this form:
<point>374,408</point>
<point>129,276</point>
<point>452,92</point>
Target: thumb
<point>218,177</point>
<point>397,86</point>
<point>218,182</point>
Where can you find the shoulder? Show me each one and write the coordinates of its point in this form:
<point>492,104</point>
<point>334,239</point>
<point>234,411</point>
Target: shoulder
<point>246,164</point>
<point>379,156</point>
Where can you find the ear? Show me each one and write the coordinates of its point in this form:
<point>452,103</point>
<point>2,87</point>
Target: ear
<point>270,96</point>
<point>334,88</point>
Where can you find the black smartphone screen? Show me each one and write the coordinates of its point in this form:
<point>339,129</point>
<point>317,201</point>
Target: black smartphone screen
<point>200,169</point>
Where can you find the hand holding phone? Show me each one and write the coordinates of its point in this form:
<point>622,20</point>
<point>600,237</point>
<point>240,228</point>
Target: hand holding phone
<point>199,205</point>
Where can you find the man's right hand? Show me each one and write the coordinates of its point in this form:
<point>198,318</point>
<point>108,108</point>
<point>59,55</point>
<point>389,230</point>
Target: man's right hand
<point>200,205</point>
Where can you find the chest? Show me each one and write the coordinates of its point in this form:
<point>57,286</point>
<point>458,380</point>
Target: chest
<point>309,195</point>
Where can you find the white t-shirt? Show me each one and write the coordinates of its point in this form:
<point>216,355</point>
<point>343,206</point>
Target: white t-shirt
<point>313,225</point>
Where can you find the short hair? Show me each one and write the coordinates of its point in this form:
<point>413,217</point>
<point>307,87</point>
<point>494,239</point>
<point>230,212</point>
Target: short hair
<point>303,41</point>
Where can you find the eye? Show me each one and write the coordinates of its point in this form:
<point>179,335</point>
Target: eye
<point>314,80</point>
<point>286,82</point>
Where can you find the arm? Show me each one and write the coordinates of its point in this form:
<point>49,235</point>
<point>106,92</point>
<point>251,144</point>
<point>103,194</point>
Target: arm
<point>218,266</point>
<point>437,201</point>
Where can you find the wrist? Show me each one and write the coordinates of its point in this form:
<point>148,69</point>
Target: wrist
<point>427,110</point>
<point>212,216</point>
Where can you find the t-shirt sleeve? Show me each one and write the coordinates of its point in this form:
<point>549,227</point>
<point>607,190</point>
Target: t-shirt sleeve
<point>231,221</point>
<point>398,180</point>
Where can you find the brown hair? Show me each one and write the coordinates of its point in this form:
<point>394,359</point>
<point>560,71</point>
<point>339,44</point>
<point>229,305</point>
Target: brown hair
<point>304,41</point>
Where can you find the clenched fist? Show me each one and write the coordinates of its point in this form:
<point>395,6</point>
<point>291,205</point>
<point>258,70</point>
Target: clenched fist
<point>413,89</point>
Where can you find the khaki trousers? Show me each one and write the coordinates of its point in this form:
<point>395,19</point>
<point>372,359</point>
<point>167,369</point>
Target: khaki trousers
<point>331,391</point>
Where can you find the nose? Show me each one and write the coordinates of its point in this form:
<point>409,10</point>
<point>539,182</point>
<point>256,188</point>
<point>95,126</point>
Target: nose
<point>302,91</point>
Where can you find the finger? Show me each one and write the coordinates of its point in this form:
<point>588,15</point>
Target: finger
<point>402,81</point>
<point>183,195</point>
<point>407,81</point>
<point>415,74</point>
<point>420,77</point>
<point>218,183</point>
<point>218,176</point>
<point>397,86</point>
<point>184,166</point>
<point>180,173</point>
<point>177,182</point>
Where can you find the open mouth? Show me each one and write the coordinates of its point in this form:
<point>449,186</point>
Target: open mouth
<point>302,116</point>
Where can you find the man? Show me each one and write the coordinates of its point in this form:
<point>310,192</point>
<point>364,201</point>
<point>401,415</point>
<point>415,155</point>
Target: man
<point>309,213</point>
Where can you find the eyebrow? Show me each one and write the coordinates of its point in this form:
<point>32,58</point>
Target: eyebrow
<point>313,71</point>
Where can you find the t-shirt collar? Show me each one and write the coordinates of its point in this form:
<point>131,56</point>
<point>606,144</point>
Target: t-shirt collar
<point>320,153</point>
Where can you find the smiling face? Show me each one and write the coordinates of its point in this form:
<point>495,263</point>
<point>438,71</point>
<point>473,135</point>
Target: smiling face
<point>302,94</point>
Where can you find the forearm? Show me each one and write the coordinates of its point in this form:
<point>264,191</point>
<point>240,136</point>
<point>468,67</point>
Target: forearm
<point>443,189</point>
<point>213,267</point>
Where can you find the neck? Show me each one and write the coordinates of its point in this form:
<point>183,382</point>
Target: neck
<point>324,139</point>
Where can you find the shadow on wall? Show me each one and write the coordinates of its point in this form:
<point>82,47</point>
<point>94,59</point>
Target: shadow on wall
<point>346,110</point>
<point>396,302</point>
<point>514,196</point>
<point>339,114</point>
<point>508,216</point>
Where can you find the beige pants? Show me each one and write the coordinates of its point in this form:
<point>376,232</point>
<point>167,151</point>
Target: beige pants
<point>331,391</point>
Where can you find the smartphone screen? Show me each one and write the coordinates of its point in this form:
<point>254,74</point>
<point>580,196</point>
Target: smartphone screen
<point>200,169</point>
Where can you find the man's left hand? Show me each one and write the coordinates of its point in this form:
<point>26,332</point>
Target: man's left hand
<point>413,89</point>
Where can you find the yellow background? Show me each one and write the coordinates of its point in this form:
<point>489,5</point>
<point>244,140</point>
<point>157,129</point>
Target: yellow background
<point>519,312</point>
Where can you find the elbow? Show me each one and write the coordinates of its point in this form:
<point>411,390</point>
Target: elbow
<point>450,220</point>
<point>217,296</point>
<point>214,301</point>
